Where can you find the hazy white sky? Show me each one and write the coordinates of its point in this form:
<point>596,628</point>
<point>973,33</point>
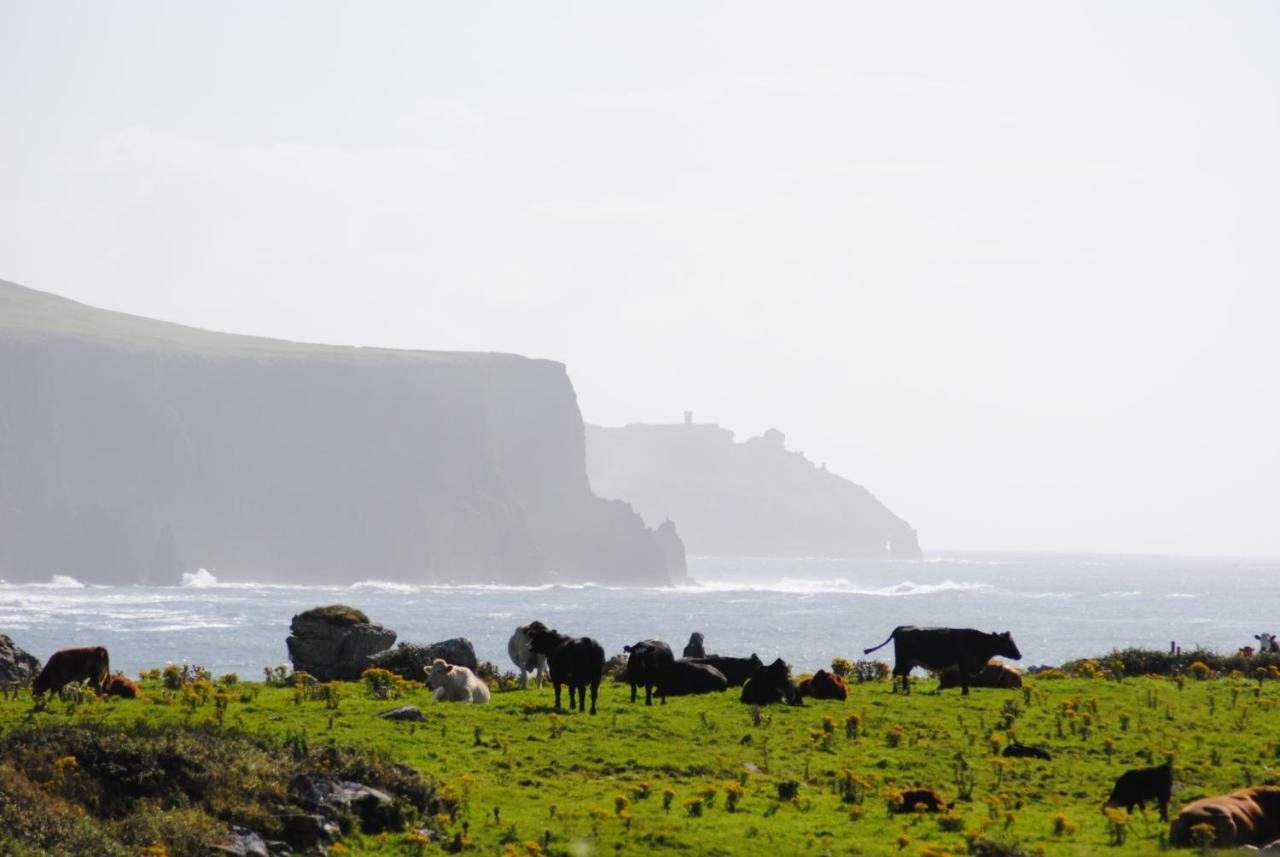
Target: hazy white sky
<point>1012,266</point>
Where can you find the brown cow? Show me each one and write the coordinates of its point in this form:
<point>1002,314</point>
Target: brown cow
<point>995,675</point>
<point>91,664</point>
<point>927,799</point>
<point>1247,817</point>
<point>118,685</point>
<point>824,685</point>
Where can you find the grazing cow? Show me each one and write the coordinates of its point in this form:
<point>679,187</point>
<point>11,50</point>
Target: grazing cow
<point>1136,787</point>
<point>1247,817</point>
<point>453,683</point>
<point>118,685</point>
<point>574,661</point>
<point>771,684</point>
<point>648,660</point>
<point>1268,644</point>
<point>927,799</point>
<point>995,675</point>
<point>686,677</point>
<point>824,685</point>
<point>938,649</point>
<point>694,647</point>
<point>520,649</point>
<point>736,670</point>
<point>1022,751</point>
<point>91,664</point>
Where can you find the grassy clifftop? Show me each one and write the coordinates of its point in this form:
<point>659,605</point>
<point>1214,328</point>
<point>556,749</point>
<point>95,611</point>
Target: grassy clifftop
<point>702,775</point>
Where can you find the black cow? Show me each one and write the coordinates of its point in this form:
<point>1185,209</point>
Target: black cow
<point>91,664</point>
<point>939,649</point>
<point>685,677</point>
<point>1022,751</point>
<point>574,661</point>
<point>736,670</point>
<point>694,648</point>
<point>648,661</point>
<point>1136,787</point>
<point>771,684</point>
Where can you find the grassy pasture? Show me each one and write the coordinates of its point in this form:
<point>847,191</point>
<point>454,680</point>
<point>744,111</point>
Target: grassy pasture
<point>702,775</point>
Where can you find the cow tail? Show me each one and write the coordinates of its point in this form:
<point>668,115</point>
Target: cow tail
<point>881,646</point>
<point>106,667</point>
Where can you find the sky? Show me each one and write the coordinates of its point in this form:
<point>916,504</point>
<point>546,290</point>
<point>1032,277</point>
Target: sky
<point>1013,267</point>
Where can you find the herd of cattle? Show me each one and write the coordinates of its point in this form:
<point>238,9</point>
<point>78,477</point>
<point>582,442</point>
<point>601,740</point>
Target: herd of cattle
<point>961,656</point>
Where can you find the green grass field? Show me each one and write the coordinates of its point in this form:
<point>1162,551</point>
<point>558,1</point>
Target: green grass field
<point>700,775</point>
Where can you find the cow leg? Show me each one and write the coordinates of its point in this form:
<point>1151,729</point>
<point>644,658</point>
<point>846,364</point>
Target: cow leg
<point>648,694</point>
<point>595,689</point>
<point>524,678</point>
<point>1164,810</point>
<point>573,697</point>
<point>557,686</point>
<point>964,682</point>
<point>633,693</point>
<point>662,694</point>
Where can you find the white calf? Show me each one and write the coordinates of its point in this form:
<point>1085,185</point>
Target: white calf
<point>450,683</point>
<point>520,649</point>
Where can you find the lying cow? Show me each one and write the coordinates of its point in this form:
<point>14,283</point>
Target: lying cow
<point>574,661</point>
<point>769,685</point>
<point>995,675</point>
<point>453,683</point>
<point>685,677</point>
<point>1023,751</point>
<point>1267,644</point>
<point>736,670</point>
<point>939,649</point>
<point>824,685</point>
<point>118,685</point>
<point>647,662</point>
<point>693,649</point>
<point>91,664</point>
<point>1136,787</point>
<point>520,648</point>
<point>1247,817</point>
<point>926,799</point>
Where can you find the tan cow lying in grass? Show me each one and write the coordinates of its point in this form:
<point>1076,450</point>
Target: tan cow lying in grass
<point>1247,817</point>
<point>452,683</point>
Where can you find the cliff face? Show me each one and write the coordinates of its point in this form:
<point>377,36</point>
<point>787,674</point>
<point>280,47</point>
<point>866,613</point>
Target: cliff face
<point>742,499</point>
<point>131,450</point>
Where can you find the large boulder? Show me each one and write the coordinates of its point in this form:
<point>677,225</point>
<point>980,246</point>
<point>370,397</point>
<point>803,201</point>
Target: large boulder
<point>336,642</point>
<point>15,663</point>
<point>411,659</point>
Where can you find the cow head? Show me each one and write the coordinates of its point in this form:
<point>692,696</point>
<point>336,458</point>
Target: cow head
<point>542,640</point>
<point>436,672</point>
<point>695,639</point>
<point>1006,646</point>
<point>756,663</point>
<point>1267,643</point>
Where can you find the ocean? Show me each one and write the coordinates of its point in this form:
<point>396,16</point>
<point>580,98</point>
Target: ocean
<point>807,611</point>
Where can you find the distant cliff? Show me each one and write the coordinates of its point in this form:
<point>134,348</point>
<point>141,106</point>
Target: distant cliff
<point>132,450</point>
<point>742,499</point>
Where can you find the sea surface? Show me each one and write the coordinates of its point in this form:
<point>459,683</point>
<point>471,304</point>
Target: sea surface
<point>804,610</point>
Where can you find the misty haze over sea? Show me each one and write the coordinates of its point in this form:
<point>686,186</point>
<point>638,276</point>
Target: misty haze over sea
<point>805,610</point>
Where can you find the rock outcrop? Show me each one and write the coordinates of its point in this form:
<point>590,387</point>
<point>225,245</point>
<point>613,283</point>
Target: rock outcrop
<point>411,660</point>
<point>15,663</point>
<point>335,643</point>
<point>133,450</point>
<point>755,498</point>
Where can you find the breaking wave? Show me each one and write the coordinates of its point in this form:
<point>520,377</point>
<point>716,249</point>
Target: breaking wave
<point>201,579</point>
<point>840,585</point>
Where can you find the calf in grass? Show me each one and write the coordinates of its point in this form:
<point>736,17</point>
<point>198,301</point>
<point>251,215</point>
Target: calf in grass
<point>1136,787</point>
<point>577,662</point>
<point>118,685</point>
<point>452,683</point>
<point>647,662</point>
<point>918,800</point>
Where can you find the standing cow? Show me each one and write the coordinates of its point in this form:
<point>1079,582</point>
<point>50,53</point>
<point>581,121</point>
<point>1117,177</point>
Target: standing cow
<point>520,648</point>
<point>939,649</point>
<point>574,661</point>
<point>649,661</point>
<point>91,664</point>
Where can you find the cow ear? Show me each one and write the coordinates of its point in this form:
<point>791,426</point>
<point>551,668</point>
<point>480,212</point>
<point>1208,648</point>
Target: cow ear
<point>448,668</point>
